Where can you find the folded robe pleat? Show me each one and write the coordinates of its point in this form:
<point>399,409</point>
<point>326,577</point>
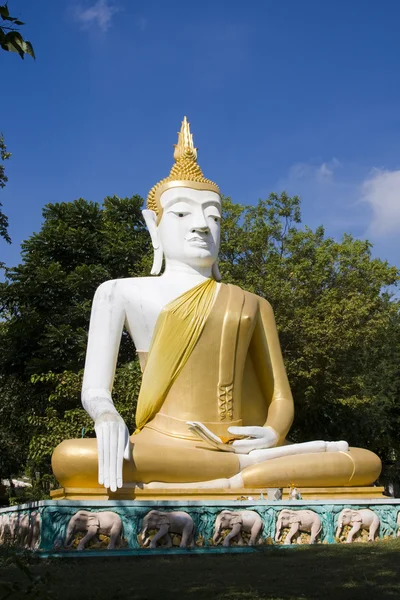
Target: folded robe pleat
<point>177,330</point>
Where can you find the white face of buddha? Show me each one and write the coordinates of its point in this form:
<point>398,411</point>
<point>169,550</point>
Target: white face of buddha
<point>189,230</point>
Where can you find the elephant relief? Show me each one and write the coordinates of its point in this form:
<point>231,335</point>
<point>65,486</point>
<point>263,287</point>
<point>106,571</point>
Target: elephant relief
<point>93,523</point>
<point>8,525</point>
<point>27,531</point>
<point>239,522</point>
<point>298,521</point>
<point>165,524</point>
<point>358,519</point>
<point>2,528</point>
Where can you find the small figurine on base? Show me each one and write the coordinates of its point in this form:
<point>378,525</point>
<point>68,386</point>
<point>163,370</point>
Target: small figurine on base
<point>294,493</point>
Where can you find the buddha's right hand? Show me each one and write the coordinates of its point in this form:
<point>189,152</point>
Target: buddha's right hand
<point>113,446</point>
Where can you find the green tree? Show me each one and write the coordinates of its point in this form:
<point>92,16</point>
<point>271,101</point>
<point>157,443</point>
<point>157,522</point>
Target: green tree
<point>4,155</point>
<point>11,41</point>
<point>64,418</point>
<point>10,38</point>
<point>45,308</point>
<point>13,426</point>
<point>338,322</point>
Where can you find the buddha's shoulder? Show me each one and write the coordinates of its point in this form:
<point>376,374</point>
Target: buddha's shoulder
<point>120,287</point>
<point>253,298</point>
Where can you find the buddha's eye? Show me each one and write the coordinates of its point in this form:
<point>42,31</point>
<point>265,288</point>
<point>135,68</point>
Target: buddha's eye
<point>179,211</point>
<point>213,213</point>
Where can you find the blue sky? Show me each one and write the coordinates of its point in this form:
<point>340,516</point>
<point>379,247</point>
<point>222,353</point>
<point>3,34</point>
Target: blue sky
<point>302,96</point>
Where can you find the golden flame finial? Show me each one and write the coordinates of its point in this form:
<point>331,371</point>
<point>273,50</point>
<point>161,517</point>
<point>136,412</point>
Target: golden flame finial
<point>184,173</point>
<point>185,145</point>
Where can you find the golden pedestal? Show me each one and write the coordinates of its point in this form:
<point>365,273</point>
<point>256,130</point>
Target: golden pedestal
<point>135,493</point>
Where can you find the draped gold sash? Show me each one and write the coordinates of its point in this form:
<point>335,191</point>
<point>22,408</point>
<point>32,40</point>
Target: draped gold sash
<point>177,331</point>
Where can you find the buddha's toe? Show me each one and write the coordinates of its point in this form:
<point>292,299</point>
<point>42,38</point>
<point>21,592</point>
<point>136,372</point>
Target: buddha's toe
<point>340,446</point>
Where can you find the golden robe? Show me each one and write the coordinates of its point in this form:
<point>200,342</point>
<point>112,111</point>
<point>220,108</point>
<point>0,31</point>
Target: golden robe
<point>234,375</point>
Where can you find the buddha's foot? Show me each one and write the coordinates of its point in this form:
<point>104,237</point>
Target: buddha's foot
<point>319,446</point>
<point>341,446</point>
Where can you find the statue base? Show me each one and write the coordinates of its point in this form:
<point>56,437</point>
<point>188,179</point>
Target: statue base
<point>136,493</point>
<point>62,528</point>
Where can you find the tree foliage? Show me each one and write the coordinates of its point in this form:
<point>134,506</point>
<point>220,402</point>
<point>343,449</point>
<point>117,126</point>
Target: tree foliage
<point>46,300</point>
<point>45,308</point>
<point>4,155</point>
<point>338,323</point>
<point>64,417</point>
<point>11,39</point>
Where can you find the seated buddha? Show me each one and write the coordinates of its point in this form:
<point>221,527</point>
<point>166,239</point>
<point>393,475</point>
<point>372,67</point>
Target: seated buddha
<point>215,405</point>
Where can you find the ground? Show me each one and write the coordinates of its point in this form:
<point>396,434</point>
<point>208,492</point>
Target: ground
<point>345,572</point>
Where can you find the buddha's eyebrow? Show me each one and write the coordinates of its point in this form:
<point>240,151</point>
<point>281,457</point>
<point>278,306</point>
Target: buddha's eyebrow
<point>207,203</point>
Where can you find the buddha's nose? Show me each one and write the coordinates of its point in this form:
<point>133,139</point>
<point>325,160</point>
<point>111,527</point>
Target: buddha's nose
<point>200,229</point>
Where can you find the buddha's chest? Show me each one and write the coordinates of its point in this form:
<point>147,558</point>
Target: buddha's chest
<point>210,385</point>
<point>144,303</point>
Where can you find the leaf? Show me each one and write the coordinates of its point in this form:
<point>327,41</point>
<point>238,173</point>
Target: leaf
<point>12,41</point>
<point>29,49</point>
<point>4,13</point>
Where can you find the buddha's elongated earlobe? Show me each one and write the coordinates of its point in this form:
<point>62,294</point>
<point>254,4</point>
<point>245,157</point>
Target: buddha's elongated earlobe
<point>215,272</point>
<point>157,261</point>
<point>150,217</point>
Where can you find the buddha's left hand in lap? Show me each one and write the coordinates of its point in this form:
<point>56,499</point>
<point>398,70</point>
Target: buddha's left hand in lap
<point>256,438</point>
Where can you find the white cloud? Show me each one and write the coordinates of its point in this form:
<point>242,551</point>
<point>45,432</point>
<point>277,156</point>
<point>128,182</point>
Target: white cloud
<point>330,193</point>
<point>321,173</point>
<point>381,190</point>
<point>99,14</point>
<point>347,198</point>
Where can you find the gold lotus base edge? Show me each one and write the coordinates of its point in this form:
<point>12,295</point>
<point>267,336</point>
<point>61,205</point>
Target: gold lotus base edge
<point>136,493</point>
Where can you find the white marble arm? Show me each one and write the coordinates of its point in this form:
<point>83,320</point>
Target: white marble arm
<point>105,330</point>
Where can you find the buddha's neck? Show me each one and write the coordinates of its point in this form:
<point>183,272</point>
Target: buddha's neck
<point>176,269</point>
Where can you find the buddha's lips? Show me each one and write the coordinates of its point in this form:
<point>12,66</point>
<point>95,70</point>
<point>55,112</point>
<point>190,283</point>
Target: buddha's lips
<point>197,241</point>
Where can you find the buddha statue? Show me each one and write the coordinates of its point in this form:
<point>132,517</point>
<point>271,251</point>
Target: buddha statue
<point>215,404</point>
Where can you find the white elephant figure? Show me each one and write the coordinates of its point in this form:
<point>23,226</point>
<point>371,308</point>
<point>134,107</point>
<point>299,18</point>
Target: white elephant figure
<point>27,530</point>
<point>239,521</point>
<point>165,523</point>
<point>298,520</point>
<point>363,518</point>
<point>94,523</point>
<point>34,534</point>
<point>8,526</point>
<point>2,526</point>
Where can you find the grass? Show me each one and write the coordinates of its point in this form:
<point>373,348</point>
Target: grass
<point>345,572</point>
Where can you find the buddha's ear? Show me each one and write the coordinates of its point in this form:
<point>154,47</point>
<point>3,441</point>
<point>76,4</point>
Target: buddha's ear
<point>151,221</point>
<point>215,272</point>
